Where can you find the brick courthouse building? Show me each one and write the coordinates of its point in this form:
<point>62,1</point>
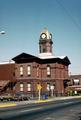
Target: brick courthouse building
<point>28,71</point>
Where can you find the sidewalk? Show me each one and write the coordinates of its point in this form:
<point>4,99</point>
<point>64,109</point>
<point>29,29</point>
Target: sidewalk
<point>12,104</point>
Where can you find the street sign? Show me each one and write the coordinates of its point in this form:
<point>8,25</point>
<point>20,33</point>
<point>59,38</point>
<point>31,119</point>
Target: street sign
<point>39,87</point>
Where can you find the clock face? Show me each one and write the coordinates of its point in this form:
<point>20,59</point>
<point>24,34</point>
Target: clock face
<point>43,35</point>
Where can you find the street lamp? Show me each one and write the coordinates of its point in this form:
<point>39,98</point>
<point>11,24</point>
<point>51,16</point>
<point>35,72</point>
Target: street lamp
<point>2,32</point>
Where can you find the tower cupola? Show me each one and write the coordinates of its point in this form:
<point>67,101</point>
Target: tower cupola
<point>45,43</point>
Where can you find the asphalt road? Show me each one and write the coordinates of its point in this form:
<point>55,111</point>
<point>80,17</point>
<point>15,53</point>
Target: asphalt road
<point>57,110</point>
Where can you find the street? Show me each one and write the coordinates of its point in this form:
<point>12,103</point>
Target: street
<point>54,110</point>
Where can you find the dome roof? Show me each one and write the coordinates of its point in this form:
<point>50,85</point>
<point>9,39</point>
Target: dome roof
<point>45,30</point>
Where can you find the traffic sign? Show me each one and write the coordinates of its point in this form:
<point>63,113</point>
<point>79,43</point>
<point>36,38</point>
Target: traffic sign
<point>39,87</point>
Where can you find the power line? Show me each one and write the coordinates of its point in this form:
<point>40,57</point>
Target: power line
<point>69,14</point>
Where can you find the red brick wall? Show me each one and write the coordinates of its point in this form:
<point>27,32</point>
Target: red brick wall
<point>59,72</point>
<point>7,72</point>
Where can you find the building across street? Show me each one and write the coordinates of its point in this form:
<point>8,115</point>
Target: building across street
<point>74,87</point>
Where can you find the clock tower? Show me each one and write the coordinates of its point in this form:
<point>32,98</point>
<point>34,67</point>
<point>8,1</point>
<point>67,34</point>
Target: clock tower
<point>45,44</point>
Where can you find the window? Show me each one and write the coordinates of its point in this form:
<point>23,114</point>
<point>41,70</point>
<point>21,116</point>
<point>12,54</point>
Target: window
<point>48,86</point>
<point>37,71</point>
<point>44,50</point>
<point>76,81</point>
<point>40,49</point>
<point>48,71</point>
<point>21,70</point>
<point>29,70</point>
<point>28,86</point>
<point>52,87</point>
<point>21,87</point>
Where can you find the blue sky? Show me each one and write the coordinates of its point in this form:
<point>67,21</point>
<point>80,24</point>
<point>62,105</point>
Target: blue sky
<point>23,20</point>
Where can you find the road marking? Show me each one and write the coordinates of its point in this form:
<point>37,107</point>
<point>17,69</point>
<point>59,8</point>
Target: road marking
<point>33,109</point>
<point>67,103</point>
<point>49,118</point>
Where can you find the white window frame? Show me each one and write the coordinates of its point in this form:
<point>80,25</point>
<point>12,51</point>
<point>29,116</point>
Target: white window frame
<point>29,87</point>
<point>76,81</point>
<point>48,86</point>
<point>21,70</point>
<point>37,71</point>
<point>29,70</point>
<point>21,87</point>
<point>48,71</point>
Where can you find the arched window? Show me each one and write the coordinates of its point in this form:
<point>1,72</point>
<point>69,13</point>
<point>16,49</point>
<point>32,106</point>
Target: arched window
<point>21,70</point>
<point>37,71</point>
<point>48,86</point>
<point>21,87</point>
<point>28,86</point>
<point>29,70</point>
<point>48,71</point>
<point>44,50</point>
<point>76,81</point>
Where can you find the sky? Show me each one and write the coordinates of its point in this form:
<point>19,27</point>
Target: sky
<point>23,21</point>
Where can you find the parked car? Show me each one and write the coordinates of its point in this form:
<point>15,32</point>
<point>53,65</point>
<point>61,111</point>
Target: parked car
<point>20,97</point>
<point>6,97</point>
<point>1,98</point>
<point>14,97</point>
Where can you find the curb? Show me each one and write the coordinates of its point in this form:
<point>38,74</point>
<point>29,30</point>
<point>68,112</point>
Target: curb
<point>42,101</point>
<point>57,99</point>
<point>7,105</point>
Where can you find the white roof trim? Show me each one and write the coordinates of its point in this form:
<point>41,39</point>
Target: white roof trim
<point>49,56</point>
<point>6,62</point>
